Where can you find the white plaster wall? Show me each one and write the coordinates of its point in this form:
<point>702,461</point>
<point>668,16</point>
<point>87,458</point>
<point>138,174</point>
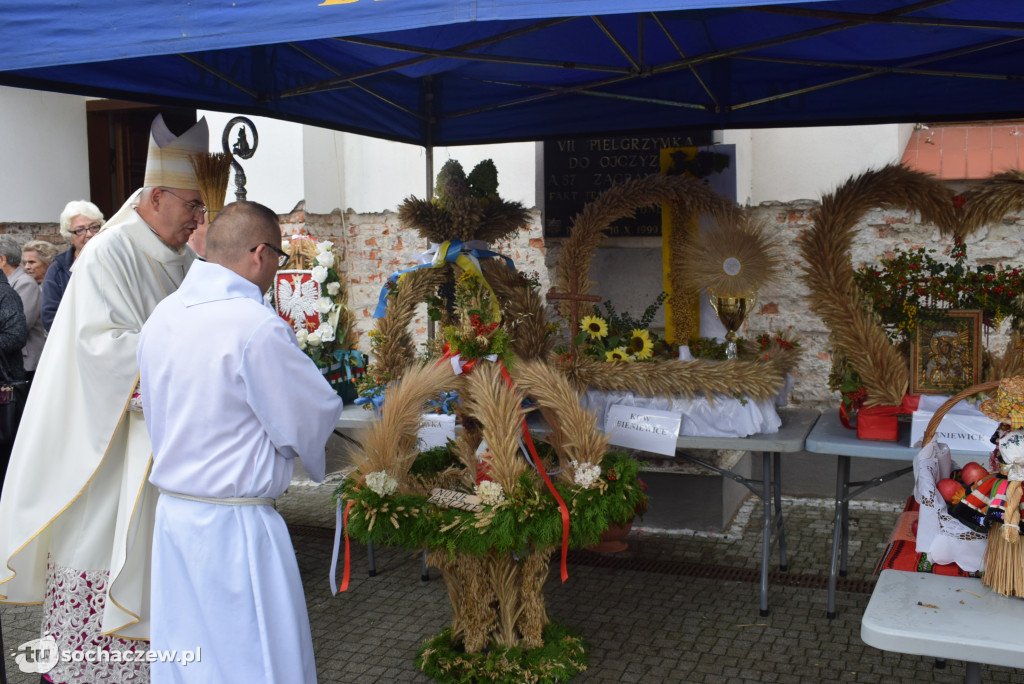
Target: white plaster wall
<point>364,175</point>
<point>789,164</point>
<point>274,174</point>
<point>44,152</point>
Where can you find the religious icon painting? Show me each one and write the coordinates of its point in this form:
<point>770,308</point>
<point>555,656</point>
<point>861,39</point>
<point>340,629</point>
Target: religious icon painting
<point>945,356</point>
<point>296,295</point>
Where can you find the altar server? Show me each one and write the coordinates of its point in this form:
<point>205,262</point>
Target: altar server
<point>76,514</point>
<point>230,402</point>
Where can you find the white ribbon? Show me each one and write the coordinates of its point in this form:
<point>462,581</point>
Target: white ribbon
<point>338,529</point>
<point>457,361</point>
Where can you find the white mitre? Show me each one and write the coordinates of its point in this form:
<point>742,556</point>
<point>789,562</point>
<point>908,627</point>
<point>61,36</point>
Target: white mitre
<point>168,164</point>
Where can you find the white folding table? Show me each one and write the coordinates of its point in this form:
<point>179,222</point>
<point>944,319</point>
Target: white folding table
<point>953,618</point>
<point>796,423</point>
<point>829,436</point>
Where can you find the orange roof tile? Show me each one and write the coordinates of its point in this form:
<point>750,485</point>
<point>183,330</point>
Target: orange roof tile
<point>966,152</point>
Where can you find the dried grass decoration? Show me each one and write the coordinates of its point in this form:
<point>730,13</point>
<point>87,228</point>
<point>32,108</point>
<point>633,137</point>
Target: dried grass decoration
<point>689,197</point>
<point>212,171</point>
<point>467,209</point>
<point>829,274</point>
<point>734,260</point>
<point>495,559</point>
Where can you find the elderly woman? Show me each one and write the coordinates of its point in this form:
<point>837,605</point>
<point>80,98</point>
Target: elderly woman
<point>79,221</point>
<point>36,257</point>
<point>28,290</point>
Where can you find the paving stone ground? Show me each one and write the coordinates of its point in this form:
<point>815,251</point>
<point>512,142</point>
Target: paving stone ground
<point>640,626</point>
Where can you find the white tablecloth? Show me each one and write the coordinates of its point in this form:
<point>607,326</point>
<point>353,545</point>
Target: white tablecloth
<point>726,417</point>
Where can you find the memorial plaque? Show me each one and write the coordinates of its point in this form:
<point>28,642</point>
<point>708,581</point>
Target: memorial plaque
<point>577,170</point>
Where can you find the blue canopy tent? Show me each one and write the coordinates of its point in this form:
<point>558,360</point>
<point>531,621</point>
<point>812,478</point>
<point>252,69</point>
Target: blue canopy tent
<point>449,72</point>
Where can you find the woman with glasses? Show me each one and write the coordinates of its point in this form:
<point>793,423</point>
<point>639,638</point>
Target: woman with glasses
<point>79,221</point>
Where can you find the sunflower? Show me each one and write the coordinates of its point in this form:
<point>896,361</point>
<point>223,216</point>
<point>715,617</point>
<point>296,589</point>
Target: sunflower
<point>595,326</point>
<point>618,354</point>
<point>641,345</point>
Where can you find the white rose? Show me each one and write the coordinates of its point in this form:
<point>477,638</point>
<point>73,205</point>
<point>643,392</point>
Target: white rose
<point>324,246</point>
<point>325,259</point>
<point>326,332</point>
<point>319,274</point>
<point>333,288</point>
<point>324,305</point>
<point>313,339</point>
<point>301,336</point>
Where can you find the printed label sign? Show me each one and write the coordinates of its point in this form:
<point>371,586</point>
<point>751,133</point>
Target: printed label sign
<point>436,430</point>
<point>449,498</point>
<point>643,428</point>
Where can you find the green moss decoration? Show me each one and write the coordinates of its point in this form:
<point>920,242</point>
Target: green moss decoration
<point>528,518</point>
<point>562,657</point>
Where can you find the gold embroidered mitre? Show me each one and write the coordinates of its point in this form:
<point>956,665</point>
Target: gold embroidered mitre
<point>168,164</point>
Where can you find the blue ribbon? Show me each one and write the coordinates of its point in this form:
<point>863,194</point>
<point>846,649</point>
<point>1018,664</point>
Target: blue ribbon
<point>350,358</point>
<point>376,400</point>
<point>450,255</point>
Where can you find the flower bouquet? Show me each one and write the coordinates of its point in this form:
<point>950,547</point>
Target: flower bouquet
<point>618,336</point>
<point>310,295</point>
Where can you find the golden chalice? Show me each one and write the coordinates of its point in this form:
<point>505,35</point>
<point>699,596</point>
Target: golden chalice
<point>731,311</point>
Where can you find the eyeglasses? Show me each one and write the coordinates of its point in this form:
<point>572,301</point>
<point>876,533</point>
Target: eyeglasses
<point>91,230</point>
<point>194,206</point>
<point>282,256</point>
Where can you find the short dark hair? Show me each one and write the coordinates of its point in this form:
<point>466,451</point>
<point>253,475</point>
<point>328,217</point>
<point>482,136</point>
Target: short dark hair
<point>236,226</point>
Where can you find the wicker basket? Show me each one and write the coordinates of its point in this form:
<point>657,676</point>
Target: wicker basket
<point>1004,553</point>
<point>940,535</point>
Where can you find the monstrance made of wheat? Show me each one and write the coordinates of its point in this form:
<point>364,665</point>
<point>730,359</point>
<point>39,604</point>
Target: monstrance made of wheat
<point>689,198</point>
<point>857,333</point>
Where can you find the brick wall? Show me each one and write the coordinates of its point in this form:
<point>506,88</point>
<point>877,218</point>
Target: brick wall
<point>375,245</point>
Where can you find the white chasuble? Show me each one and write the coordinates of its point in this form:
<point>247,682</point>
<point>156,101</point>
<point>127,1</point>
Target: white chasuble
<point>76,495</point>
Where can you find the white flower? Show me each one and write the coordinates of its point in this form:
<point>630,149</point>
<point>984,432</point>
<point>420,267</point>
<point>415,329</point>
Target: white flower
<point>586,474</point>
<point>324,246</point>
<point>491,493</point>
<point>326,332</point>
<point>302,337</point>
<point>325,259</point>
<point>324,305</point>
<point>382,483</point>
<point>319,274</point>
<point>314,339</point>
<point>333,288</point>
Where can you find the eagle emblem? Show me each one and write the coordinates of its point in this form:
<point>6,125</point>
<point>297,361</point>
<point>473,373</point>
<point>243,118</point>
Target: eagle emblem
<point>296,295</point>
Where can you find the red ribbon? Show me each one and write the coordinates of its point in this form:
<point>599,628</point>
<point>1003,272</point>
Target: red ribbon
<point>348,569</point>
<point>563,509</point>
